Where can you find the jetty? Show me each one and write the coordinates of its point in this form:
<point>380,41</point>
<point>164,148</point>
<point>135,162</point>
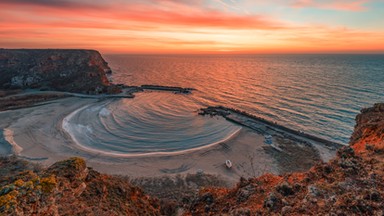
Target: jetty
<point>264,126</point>
<point>168,88</point>
<point>129,91</point>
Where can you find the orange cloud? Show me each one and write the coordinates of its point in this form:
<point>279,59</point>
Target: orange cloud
<point>167,12</point>
<point>167,26</point>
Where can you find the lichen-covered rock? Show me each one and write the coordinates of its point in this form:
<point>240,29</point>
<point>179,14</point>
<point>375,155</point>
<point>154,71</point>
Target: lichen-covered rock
<point>68,188</point>
<point>73,168</point>
<point>82,71</point>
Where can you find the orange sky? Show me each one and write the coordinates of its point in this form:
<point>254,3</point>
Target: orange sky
<point>201,26</point>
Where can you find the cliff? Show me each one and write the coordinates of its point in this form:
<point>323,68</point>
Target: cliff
<point>82,71</point>
<point>350,184</point>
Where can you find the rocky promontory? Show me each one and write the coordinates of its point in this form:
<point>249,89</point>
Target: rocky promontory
<point>81,71</point>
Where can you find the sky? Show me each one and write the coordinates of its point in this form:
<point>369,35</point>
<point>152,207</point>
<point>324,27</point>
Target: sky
<point>195,26</point>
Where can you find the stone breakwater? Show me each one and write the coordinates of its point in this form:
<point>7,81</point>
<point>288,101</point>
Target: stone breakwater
<point>81,71</point>
<point>255,122</point>
<point>167,88</point>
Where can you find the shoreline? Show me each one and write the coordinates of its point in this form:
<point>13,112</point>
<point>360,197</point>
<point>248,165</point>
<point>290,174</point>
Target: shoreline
<point>33,97</point>
<point>8,136</point>
<point>49,142</point>
<point>127,155</point>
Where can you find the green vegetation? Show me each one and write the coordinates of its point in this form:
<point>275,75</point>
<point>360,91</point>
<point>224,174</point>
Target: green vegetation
<point>48,183</point>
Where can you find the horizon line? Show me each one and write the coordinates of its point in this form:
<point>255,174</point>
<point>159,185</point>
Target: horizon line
<point>356,52</point>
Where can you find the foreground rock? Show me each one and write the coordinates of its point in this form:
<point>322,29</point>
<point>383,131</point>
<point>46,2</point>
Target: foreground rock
<point>350,184</point>
<point>68,188</point>
<point>81,71</point>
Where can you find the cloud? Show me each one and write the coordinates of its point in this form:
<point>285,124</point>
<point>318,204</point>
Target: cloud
<point>345,5</point>
<point>160,12</point>
<point>161,26</point>
<point>230,5</point>
<point>52,3</point>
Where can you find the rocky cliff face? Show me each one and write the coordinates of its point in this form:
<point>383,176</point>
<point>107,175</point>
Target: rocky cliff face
<point>82,71</point>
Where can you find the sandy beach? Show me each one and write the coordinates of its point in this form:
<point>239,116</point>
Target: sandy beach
<point>36,134</point>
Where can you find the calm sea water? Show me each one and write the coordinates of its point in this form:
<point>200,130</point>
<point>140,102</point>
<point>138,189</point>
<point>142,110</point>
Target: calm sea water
<point>318,94</point>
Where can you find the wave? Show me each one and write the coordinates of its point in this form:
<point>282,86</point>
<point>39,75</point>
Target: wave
<point>151,124</point>
<point>295,90</point>
<point>9,137</point>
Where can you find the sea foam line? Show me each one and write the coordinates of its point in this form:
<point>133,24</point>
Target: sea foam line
<point>9,137</point>
<point>67,128</point>
<point>115,154</point>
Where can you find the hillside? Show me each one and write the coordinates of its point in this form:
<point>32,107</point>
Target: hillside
<point>350,184</point>
<point>68,188</point>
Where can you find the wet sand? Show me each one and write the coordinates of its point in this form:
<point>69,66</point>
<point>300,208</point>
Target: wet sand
<point>39,136</point>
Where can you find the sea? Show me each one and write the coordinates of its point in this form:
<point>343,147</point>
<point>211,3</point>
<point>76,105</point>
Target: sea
<point>320,94</point>
<point>317,94</point>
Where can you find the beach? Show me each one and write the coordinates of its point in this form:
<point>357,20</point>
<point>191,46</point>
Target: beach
<point>36,134</point>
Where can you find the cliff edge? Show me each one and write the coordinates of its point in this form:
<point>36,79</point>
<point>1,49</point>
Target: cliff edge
<point>81,71</point>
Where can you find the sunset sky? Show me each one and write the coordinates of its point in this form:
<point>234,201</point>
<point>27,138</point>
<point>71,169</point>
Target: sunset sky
<point>195,26</point>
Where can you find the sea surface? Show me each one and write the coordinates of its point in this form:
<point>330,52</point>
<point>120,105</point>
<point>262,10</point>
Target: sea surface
<point>318,94</point>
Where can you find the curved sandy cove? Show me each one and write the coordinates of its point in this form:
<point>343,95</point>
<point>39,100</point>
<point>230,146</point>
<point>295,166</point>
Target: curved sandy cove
<point>36,134</point>
<point>150,125</point>
<point>68,129</point>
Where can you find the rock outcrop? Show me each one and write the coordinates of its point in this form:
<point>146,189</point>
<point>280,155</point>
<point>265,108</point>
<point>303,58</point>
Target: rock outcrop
<point>68,188</point>
<point>350,184</point>
<point>82,71</point>
<point>369,130</point>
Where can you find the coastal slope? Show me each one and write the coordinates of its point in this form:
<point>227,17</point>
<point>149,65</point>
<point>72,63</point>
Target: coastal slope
<point>68,188</point>
<point>81,71</point>
<point>350,184</point>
